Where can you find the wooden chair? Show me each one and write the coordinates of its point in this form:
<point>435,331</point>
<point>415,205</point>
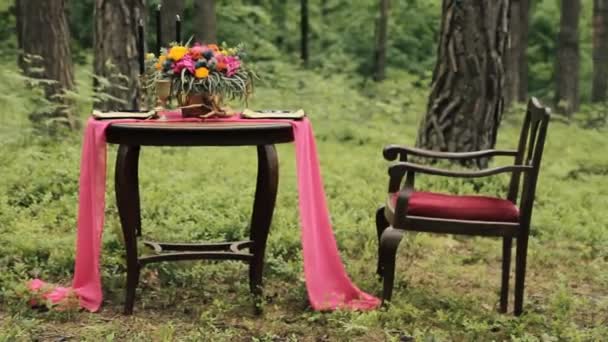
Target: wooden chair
<point>408,209</point>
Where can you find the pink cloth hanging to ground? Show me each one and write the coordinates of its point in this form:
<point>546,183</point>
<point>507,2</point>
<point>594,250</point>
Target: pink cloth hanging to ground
<point>327,283</point>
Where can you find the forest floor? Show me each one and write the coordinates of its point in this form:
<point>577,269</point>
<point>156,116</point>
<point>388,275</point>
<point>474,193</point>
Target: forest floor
<point>446,287</point>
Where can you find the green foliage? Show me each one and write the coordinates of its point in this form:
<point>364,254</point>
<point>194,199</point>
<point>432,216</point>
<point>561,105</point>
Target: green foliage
<point>342,34</point>
<point>446,287</point>
<point>8,40</point>
<point>542,48</point>
<point>80,14</point>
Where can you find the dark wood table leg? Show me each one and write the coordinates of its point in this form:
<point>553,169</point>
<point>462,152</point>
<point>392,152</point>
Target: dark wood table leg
<point>261,218</point>
<point>127,201</point>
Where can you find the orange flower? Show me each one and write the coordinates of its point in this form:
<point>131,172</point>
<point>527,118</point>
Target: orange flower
<point>161,61</point>
<point>213,47</point>
<point>196,52</point>
<point>201,72</point>
<point>221,66</point>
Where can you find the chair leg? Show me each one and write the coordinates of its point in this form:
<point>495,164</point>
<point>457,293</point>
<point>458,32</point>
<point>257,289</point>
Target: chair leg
<point>132,282</point>
<point>507,242</point>
<point>520,273</point>
<point>381,225</point>
<point>389,242</point>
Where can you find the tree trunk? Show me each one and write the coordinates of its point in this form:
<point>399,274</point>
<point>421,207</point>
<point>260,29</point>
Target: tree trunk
<point>116,57</point>
<point>568,59</point>
<point>466,101</point>
<point>280,17</point>
<point>169,9</point>
<point>19,28</point>
<point>205,22</point>
<point>381,41</point>
<point>304,31</point>
<point>45,39</point>
<point>600,51</point>
<point>516,61</point>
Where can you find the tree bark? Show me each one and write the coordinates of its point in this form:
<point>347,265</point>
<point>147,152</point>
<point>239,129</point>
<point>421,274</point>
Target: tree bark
<point>381,41</point>
<point>516,62</point>
<point>600,51</point>
<point>280,17</point>
<point>466,101</point>
<point>19,31</point>
<point>169,9</point>
<point>205,22</point>
<point>116,57</point>
<point>44,36</point>
<point>304,31</point>
<point>568,58</point>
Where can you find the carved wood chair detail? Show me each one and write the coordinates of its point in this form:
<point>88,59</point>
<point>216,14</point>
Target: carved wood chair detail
<point>408,209</point>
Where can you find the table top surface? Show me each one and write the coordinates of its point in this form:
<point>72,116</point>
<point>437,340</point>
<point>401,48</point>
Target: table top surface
<point>199,133</point>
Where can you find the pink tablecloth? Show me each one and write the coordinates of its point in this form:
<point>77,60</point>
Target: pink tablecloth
<point>327,283</point>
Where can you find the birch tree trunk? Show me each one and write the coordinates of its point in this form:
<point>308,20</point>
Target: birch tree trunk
<point>600,51</point>
<point>44,36</point>
<point>568,59</point>
<point>115,49</point>
<point>466,101</point>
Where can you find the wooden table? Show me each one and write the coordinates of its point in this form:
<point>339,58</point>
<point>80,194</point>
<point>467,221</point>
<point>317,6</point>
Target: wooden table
<point>131,136</point>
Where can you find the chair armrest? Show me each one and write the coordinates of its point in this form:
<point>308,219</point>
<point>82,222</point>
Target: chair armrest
<point>392,152</point>
<point>398,170</point>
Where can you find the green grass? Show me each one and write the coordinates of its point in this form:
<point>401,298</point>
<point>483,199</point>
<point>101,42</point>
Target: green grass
<point>446,287</point>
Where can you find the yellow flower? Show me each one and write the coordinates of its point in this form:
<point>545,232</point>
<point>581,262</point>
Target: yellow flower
<point>178,52</point>
<point>201,72</point>
<point>161,61</point>
<point>150,56</point>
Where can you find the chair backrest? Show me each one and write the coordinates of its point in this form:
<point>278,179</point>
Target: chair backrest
<point>530,153</point>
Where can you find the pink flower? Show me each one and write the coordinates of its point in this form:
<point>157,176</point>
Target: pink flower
<point>197,51</point>
<point>184,63</point>
<point>35,285</point>
<point>232,64</point>
<point>58,294</point>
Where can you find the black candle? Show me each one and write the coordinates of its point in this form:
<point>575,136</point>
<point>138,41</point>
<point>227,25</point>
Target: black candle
<point>178,29</point>
<point>159,31</point>
<point>140,46</point>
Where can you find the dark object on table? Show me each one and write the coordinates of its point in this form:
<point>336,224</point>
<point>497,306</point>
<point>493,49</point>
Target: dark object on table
<point>131,136</point>
<point>407,209</point>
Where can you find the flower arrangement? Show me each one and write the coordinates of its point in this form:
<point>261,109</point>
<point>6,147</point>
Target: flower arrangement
<point>204,74</point>
<point>40,294</point>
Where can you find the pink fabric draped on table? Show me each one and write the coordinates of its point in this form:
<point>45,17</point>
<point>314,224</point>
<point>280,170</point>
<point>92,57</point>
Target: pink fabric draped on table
<point>327,283</point>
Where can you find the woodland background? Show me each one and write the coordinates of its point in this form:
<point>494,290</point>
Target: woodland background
<point>361,91</point>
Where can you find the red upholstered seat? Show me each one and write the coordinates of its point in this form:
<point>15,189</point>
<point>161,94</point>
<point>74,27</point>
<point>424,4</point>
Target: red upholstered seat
<point>457,207</point>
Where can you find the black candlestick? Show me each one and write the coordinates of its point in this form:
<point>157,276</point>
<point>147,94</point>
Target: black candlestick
<point>159,30</point>
<point>140,47</point>
<point>178,29</point>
